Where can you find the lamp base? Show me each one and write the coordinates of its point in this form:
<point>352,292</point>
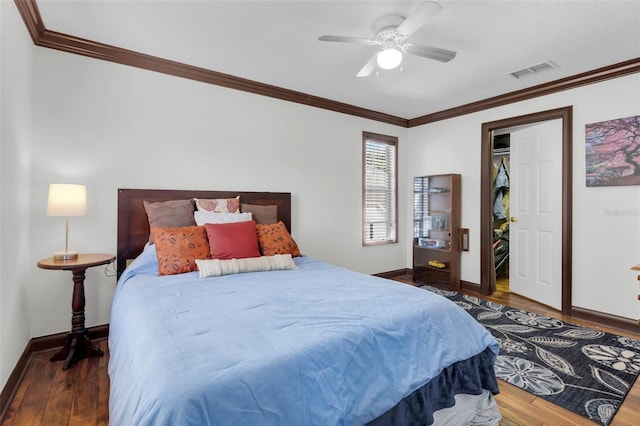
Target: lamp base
<point>65,255</point>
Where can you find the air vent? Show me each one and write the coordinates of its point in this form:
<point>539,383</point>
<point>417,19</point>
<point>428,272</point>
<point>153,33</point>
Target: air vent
<point>534,69</point>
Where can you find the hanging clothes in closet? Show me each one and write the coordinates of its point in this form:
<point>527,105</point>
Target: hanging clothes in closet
<point>501,191</point>
<point>501,200</point>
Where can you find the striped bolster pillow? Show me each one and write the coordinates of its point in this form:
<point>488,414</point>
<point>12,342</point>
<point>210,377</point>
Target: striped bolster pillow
<point>218,267</point>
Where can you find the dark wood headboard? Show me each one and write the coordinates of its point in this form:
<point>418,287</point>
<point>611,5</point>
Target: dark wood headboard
<point>133,224</point>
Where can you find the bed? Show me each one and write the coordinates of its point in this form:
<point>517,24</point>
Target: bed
<point>316,344</point>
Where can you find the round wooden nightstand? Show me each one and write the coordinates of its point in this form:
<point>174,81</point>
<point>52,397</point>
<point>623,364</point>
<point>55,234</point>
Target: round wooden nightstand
<point>78,345</point>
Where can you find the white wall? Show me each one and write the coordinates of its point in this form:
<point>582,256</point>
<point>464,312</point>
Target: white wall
<point>606,220</point>
<point>110,126</point>
<point>16,50</point>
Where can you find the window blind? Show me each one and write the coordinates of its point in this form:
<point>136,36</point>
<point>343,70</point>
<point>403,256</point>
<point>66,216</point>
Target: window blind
<point>380,187</point>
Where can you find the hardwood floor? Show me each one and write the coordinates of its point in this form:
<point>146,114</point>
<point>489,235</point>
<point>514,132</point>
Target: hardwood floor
<point>50,396</point>
<point>80,396</point>
<point>502,284</point>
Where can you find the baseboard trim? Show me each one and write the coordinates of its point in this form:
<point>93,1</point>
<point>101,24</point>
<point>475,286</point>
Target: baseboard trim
<point>610,320</point>
<point>10,388</point>
<point>38,344</point>
<point>469,286</point>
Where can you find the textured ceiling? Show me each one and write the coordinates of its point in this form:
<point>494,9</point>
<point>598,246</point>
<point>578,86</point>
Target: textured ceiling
<point>276,43</point>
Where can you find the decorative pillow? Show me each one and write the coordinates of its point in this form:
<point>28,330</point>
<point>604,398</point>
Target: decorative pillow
<point>204,216</point>
<point>233,240</point>
<point>217,267</point>
<point>275,239</point>
<point>219,205</point>
<point>169,214</point>
<point>263,215</point>
<point>178,248</point>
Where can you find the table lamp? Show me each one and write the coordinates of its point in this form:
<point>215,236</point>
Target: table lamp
<point>66,200</point>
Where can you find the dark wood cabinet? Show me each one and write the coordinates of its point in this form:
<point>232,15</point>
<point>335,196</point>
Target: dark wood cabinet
<point>436,230</point>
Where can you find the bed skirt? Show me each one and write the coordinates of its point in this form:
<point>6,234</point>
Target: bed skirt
<point>473,376</point>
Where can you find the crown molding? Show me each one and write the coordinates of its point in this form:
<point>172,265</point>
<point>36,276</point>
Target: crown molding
<point>67,43</point>
<point>612,71</point>
<point>43,37</point>
<point>30,13</point>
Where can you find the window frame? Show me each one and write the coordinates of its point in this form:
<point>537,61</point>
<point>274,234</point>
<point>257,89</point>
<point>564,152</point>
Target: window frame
<point>392,225</point>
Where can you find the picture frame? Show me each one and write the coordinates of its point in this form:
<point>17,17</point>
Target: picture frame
<point>612,150</point>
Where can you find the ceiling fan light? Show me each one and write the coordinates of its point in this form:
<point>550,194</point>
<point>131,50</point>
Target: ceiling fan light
<point>389,58</point>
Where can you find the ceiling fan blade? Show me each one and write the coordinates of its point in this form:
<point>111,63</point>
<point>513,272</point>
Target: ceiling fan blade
<point>418,18</point>
<point>435,53</point>
<point>342,39</point>
<point>369,67</point>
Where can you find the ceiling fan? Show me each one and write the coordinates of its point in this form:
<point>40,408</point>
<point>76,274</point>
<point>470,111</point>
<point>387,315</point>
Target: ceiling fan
<point>391,33</point>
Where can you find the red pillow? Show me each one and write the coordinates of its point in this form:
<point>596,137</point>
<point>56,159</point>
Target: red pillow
<point>233,240</point>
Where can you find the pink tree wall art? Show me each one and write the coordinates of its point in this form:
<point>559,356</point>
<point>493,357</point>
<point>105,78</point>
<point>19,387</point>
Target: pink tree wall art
<point>613,152</point>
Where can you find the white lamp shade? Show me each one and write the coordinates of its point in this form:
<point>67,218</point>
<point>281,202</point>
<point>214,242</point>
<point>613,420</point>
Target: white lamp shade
<point>389,58</point>
<point>67,200</point>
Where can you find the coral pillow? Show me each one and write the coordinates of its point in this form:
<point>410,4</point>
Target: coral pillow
<point>275,239</point>
<point>235,240</point>
<point>178,248</point>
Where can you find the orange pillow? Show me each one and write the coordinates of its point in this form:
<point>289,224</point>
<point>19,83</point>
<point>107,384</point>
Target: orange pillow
<point>178,248</point>
<point>235,240</point>
<point>275,239</point>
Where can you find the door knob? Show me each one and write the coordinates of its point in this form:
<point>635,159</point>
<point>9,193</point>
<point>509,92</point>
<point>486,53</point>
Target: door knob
<point>513,219</point>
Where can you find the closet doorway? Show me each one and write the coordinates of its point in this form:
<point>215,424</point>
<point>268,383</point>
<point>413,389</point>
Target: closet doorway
<point>501,206</point>
<point>527,203</point>
<point>498,224</point>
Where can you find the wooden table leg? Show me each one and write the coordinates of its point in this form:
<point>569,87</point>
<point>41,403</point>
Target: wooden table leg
<point>78,345</point>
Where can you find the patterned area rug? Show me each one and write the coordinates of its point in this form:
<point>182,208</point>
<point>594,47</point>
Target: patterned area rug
<point>583,370</point>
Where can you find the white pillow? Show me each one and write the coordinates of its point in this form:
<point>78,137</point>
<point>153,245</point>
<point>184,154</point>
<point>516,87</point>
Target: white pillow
<point>217,267</point>
<point>203,216</point>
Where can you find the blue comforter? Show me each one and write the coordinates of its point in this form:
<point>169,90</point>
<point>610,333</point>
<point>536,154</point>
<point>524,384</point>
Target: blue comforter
<point>315,345</point>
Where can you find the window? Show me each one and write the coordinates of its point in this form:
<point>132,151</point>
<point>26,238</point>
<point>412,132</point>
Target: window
<point>379,189</point>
